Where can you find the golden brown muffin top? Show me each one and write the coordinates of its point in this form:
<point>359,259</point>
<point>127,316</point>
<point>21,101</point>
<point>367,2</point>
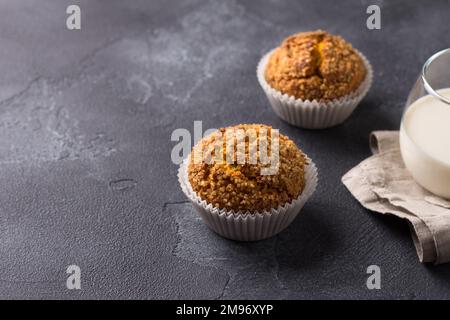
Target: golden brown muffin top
<point>315,65</point>
<point>235,186</point>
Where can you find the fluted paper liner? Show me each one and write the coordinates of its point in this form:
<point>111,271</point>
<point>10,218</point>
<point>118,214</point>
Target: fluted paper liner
<point>249,226</point>
<point>313,114</point>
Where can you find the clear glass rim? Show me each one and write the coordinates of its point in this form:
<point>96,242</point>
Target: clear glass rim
<point>426,84</point>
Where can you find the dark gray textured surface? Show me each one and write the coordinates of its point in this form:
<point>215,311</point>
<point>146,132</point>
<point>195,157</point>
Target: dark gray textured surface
<point>85,171</point>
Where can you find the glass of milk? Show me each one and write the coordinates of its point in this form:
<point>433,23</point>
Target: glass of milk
<point>425,127</point>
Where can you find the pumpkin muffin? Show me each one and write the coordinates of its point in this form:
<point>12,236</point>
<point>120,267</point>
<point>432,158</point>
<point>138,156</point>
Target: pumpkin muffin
<point>232,185</point>
<point>315,66</point>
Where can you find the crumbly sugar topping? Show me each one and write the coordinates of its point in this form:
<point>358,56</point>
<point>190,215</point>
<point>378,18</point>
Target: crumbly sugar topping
<point>236,186</point>
<point>315,66</point>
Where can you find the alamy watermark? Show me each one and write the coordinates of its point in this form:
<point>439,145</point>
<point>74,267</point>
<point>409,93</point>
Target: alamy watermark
<point>230,146</point>
<point>374,280</point>
<point>374,20</point>
<point>73,21</point>
<point>73,281</point>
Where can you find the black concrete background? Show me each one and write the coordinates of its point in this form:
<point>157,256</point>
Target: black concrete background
<point>85,171</point>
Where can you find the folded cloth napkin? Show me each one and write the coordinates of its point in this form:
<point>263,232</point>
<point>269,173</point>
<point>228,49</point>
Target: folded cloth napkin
<point>381,183</point>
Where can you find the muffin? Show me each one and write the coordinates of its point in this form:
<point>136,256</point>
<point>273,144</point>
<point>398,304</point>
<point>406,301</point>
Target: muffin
<point>235,192</point>
<point>315,66</point>
<point>314,79</point>
<point>241,187</point>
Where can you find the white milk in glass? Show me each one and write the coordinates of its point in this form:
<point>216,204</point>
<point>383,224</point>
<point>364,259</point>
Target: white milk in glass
<point>425,143</point>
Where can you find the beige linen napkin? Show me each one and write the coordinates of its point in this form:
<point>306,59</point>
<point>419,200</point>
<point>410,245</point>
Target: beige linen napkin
<point>381,183</point>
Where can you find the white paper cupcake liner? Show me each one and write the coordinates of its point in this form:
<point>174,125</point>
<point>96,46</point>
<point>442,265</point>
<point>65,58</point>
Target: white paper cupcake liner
<point>249,226</point>
<point>313,114</point>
